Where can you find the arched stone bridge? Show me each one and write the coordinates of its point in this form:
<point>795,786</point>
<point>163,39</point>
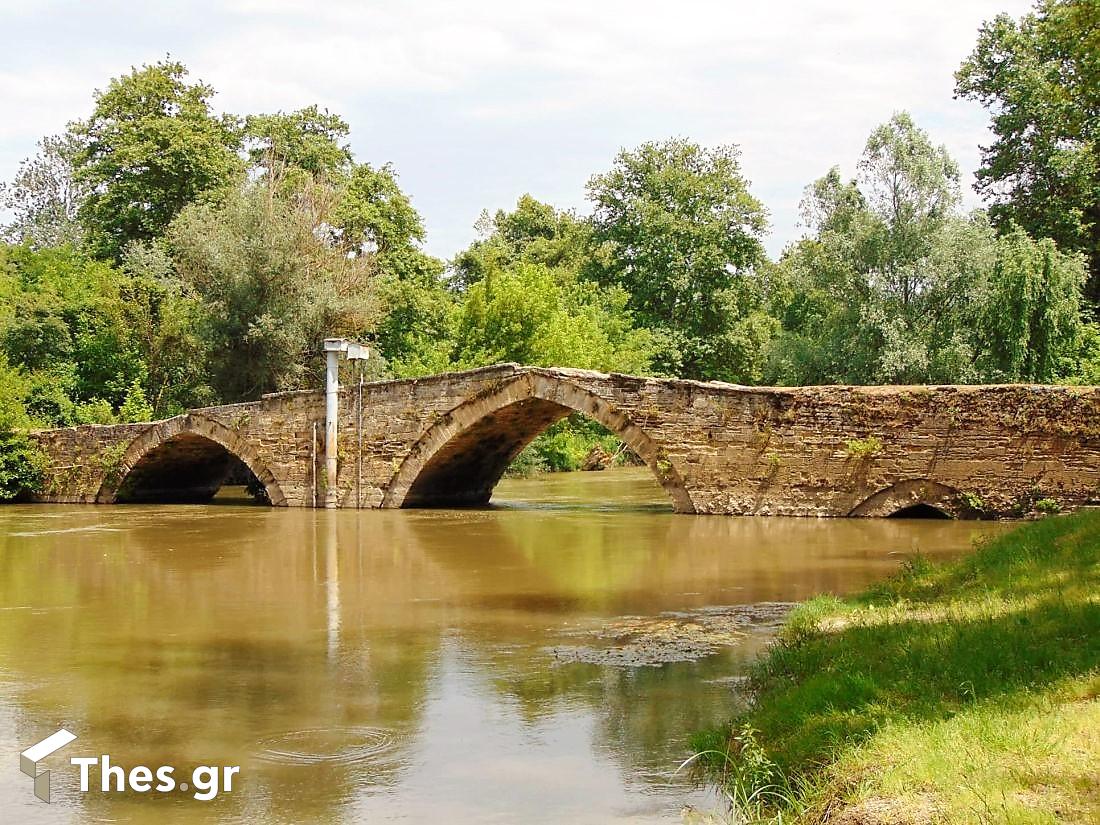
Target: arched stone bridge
<point>966,451</point>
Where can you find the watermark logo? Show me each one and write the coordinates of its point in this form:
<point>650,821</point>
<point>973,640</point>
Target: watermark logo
<point>206,781</point>
<point>29,759</point>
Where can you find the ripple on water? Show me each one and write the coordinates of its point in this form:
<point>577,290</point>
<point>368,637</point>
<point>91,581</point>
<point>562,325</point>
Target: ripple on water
<point>331,746</point>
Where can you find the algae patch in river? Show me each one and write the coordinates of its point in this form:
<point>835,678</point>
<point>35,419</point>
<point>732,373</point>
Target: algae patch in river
<point>674,636</point>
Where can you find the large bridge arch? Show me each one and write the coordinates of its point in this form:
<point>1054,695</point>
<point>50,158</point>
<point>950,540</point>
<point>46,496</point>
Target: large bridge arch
<point>180,446</point>
<point>462,456</point>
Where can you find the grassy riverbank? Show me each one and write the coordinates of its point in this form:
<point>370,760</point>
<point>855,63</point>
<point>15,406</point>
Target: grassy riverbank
<point>961,693</point>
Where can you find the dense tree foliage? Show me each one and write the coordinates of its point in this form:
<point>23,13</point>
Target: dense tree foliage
<point>73,329</point>
<point>1040,79</point>
<point>525,300</point>
<point>306,142</point>
<point>272,289</point>
<point>162,256</point>
<point>151,146</point>
<point>21,464</point>
<point>896,285</point>
<point>675,226</point>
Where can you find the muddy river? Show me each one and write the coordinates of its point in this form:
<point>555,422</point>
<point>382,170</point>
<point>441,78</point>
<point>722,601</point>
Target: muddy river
<point>541,660</point>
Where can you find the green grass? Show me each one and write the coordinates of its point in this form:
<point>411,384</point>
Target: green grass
<point>967,692</point>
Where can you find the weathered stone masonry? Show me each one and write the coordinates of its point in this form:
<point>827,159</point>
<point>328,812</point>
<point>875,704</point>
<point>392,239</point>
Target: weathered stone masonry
<point>715,448</point>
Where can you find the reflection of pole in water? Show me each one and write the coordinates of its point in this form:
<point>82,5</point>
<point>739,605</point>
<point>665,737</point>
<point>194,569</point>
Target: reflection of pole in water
<point>332,585</point>
<point>313,467</point>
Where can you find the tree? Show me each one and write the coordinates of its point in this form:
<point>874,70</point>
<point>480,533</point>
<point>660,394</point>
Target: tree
<point>675,226</point>
<point>534,232</point>
<point>67,324</point>
<point>271,288</point>
<point>21,462</point>
<point>373,216</point>
<point>895,285</point>
<point>1031,318</point>
<point>912,187</point>
<point>165,320</point>
<point>44,196</point>
<point>1040,79</point>
<point>416,331</point>
<point>522,297</point>
<point>532,314</point>
<point>308,140</point>
<point>151,147</point>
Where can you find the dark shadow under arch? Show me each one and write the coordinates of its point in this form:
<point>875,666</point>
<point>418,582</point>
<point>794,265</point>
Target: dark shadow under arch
<point>186,460</point>
<point>920,510</point>
<point>460,458</point>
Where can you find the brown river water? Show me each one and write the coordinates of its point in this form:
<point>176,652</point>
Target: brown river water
<point>454,666</point>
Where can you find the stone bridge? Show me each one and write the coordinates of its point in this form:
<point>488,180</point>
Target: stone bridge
<point>446,440</point>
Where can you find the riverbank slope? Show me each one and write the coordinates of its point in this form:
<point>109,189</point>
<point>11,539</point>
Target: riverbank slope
<point>965,693</point>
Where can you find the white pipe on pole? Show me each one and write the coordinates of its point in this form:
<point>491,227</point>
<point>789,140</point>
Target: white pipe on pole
<point>334,347</point>
<point>359,438</point>
<point>332,413</point>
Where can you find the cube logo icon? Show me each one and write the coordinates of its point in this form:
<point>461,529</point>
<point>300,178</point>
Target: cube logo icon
<point>29,759</point>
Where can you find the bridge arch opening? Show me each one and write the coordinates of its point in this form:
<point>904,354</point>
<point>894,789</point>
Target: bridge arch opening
<point>187,460</point>
<point>915,498</point>
<point>462,457</point>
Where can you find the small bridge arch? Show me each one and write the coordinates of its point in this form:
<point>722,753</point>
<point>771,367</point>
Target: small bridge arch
<point>914,496</point>
<point>462,456</point>
<point>185,458</point>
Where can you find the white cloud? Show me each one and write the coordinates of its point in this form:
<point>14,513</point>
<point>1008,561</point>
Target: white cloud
<point>479,102</point>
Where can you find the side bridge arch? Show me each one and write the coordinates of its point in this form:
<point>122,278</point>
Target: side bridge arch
<point>185,458</point>
<point>911,495</point>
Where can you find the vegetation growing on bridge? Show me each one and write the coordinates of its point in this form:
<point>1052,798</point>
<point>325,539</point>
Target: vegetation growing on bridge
<point>163,255</point>
<point>965,693</point>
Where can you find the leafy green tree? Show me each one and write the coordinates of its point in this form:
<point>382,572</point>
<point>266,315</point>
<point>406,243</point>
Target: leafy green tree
<point>308,140</point>
<point>151,147</point>
<point>37,337</point>
<point>67,322</point>
<point>135,407</point>
<point>21,462</point>
<point>675,226</point>
<point>373,217</point>
<point>166,323</point>
<point>1040,78</point>
<point>44,197</point>
<point>416,331</point>
<point>522,297</point>
<point>271,288</point>
<point>533,232</point>
<point>1031,317</point>
<point>532,314</point>
<point>896,285</point>
<point>912,187</point>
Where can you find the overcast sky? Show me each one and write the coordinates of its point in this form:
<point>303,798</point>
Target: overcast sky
<point>476,103</point>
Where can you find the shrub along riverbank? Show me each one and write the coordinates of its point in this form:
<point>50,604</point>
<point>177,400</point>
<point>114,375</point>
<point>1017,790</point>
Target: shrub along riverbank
<point>965,693</point>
